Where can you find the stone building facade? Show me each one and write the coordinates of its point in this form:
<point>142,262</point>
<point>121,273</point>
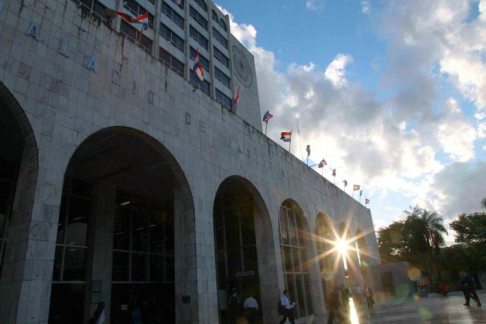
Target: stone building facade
<point>125,181</point>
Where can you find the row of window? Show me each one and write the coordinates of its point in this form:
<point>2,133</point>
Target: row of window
<point>198,17</point>
<point>171,62</point>
<point>223,99</point>
<point>136,36</point>
<point>218,74</point>
<point>174,16</point>
<point>172,37</point>
<point>220,38</point>
<point>198,37</point>
<point>221,57</point>
<point>218,21</point>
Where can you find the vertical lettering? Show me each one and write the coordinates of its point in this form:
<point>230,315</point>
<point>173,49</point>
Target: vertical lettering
<point>62,48</point>
<point>33,31</point>
<point>115,76</point>
<point>92,64</point>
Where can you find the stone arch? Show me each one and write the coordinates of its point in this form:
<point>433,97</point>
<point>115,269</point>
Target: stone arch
<point>20,144</point>
<point>298,258</point>
<point>239,200</point>
<point>325,237</point>
<point>132,186</point>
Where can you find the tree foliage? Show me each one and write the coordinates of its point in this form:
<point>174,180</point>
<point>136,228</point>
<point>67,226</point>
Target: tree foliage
<point>470,228</point>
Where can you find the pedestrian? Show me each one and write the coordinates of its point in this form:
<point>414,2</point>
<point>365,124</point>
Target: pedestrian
<point>137,315</point>
<point>289,307</point>
<point>99,315</point>
<point>234,306</point>
<point>469,289</point>
<point>345,298</point>
<point>333,302</point>
<point>358,294</point>
<point>369,298</point>
<point>251,308</point>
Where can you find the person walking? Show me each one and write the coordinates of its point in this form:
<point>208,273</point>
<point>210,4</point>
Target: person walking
<point>99,315</point>
<point>289,308</point>
<point>334,304</point>
<point>358,295</point>
<point>469,289</point>
<point>369,298</point>
<point>251,308</point>
<point>345,298</point>
<point>234,306</point>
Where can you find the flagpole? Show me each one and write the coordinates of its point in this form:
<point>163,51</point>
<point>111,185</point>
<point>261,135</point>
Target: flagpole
<point>266,126</point>
<point>334,180</point>
<point>290,143</point>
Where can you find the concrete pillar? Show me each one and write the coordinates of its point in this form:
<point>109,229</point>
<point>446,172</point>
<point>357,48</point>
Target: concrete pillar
<point>267,263</point>
<point>100,259</point>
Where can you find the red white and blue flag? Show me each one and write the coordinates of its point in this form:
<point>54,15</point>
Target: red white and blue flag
<point>142,19</point>
<point>198,67</point>
<point>286,136</point>
<point>267,116</point>
<point>237,98</point>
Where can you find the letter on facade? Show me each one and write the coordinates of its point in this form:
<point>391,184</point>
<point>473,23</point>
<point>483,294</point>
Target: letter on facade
<point>92,64</point>
<point>33,31</point>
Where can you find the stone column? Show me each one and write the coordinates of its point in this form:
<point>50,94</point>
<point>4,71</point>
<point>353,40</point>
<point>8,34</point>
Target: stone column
<point>267,264</point>
<point>100,244</point>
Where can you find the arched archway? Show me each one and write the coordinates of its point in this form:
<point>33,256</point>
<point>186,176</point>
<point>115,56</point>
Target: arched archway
<point>325,236</point>
<point>244,249</point>
<point>19,169</point>
<point>126,215</point>
<point>295,247</point>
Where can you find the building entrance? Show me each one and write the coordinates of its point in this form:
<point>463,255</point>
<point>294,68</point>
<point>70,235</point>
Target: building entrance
<point>236,250</point>
<point>115,241</point>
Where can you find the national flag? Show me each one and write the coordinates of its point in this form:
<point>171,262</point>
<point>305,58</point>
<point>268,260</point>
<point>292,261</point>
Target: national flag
<point>286,136</point>
<point>144,20</point>
<point>308,150</point>
<point>237,98</point>
<point>345,183</point>
<point>360,193</point>
<point>267,116</point>
<point>323,163</point>
<point>355,187</point>
<point>334,172</point>
<point>198,67</point>
<point>367,201</point>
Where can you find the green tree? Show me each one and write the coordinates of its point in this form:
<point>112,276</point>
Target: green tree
<point>391,243</point>
<point>470,228</point>
<point>424,231</point>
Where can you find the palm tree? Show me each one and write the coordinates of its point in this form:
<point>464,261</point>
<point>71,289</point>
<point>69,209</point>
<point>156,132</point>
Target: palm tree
<point>425,232</point>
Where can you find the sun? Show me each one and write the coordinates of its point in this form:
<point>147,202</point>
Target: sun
<point>342,246</point>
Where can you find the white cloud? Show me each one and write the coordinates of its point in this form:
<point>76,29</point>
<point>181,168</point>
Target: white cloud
<point>365,7</point>
<point>316,5</point>
<point>336,70</point>
<point>389,144</point>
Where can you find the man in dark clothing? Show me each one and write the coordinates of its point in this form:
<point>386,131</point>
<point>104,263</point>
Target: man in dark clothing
<point>345,298</point>
<point>234,306</point>
<point>469,289</point>
<point>333,302</point>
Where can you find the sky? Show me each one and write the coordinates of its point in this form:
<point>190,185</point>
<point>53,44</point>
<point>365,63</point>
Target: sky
<point>392,94</point>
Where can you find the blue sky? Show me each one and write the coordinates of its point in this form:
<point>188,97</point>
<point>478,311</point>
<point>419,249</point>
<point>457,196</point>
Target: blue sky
<point>391,93</point>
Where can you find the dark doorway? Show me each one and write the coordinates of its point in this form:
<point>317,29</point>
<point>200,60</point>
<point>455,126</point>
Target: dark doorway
<point>116,229</point>
<point>236,250</point>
